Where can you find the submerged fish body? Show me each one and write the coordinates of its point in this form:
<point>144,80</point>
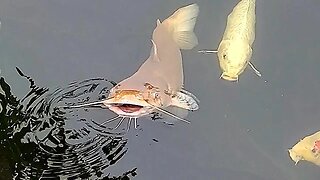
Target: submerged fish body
<point>158,82</point>
<point>235,48</point>
<point>307,149</point>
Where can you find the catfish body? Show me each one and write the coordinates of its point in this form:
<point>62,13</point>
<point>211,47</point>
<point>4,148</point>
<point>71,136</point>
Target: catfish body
<point>158,82</point>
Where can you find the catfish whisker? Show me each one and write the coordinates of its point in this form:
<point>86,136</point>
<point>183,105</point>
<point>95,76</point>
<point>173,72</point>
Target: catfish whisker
<point>111,120</point>
<point>119,123</point>
<point>129,124</point>
<point>82,105</point>
<point>135,123</point>
<point>170,114</point>
<point>88,104</point>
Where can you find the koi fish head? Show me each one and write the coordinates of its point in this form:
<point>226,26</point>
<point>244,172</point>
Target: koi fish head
<point>295,156</point>
<point>133,103</point>
<point>233,57</point>
<point>304,150</point>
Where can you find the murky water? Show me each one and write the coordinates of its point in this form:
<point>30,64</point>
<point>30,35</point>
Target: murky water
<point>242,131</point>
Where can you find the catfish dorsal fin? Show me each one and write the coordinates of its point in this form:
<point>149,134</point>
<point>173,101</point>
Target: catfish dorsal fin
<point>154,51</point>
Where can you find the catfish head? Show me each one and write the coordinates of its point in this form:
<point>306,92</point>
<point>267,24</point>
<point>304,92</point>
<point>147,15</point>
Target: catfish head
<point>135,103</point>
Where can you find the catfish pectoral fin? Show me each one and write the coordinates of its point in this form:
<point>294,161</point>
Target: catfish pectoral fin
<point>185,100</point>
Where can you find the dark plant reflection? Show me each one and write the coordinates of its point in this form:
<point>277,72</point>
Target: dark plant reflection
<point>40,140</point>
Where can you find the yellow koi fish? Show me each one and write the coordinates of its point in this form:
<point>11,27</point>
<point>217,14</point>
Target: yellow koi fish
<point>307,149</point>
<point>235,49</point>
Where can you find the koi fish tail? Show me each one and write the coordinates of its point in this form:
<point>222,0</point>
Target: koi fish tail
<point>181,24</point>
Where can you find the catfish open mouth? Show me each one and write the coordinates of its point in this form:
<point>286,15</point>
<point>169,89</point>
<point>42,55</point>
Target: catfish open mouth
<point>128,108</point>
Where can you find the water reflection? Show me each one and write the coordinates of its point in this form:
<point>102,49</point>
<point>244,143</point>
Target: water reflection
<point>39,140</point>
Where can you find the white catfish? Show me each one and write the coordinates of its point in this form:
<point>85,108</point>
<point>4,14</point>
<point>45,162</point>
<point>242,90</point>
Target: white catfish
<point>158,82</point>
<point>235,49</point>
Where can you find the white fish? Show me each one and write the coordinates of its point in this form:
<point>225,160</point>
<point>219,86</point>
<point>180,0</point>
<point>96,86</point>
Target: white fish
<point>307,149</point>
<point>158,82</point>
<point>235,49</point>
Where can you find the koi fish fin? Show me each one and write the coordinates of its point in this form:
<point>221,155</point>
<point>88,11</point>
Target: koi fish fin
<point>181,24</point>
<point>207,51</point>
<point>256,71</point>
<point>185,100</point>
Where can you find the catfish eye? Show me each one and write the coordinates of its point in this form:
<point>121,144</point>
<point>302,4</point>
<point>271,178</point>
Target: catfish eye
<point>148,86</point>
<point>157,98</point>
<point>156,95</point>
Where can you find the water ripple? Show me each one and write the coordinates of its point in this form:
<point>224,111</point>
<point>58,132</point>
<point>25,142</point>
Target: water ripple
<point>40,140</point>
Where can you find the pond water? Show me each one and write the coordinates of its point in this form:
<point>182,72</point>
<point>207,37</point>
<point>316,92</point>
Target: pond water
<point>73,52</point>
